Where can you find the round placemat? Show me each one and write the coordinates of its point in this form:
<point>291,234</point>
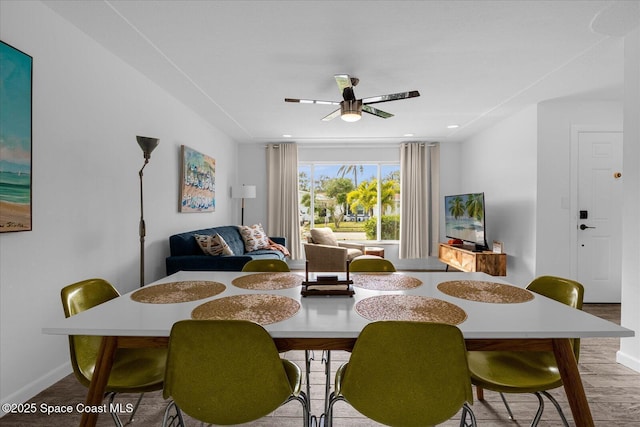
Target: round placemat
<point>259,308</point>
<point>268,281</point>
<point>410,307</point>
<point>475,290</point>
<point>167,293</point>
<point>384,281</point>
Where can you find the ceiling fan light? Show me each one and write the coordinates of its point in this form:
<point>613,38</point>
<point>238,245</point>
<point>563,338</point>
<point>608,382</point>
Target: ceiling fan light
<point>351,111</point>
<point>351,117</point>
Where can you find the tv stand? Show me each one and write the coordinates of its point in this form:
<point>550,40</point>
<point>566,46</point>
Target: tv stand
<point>470,258</point>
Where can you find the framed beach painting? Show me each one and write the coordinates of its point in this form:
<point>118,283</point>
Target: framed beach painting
<point>198,182</point>
<point>15,139</point>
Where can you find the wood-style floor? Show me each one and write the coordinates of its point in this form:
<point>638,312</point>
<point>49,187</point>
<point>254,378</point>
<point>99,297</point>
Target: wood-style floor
<point>613,392</point>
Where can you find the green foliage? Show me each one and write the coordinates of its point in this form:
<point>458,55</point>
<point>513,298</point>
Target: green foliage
<point>366,195</point>
<point>338,188</point>
<point>390,227</point>
<point>304,182</point>
<point>345,226</point>
<point>457,208</point>
<point>474,206</point>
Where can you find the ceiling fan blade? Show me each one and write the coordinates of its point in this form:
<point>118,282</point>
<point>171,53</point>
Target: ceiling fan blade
<point>376,112</point>
<point>391,97</point>
<point>343,81</point>
<point>311,101</point>
<point>332,115</point>
<point>345,84</point>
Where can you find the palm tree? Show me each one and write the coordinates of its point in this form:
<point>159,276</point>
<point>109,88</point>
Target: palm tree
<point>388,192</point>
<point>365,195</point>
<point>457,207</point>
<point>474,206</point>
<point>347,169</point>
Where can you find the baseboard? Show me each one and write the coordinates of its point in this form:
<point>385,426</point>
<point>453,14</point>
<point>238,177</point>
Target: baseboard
<point>628,361</point>
<point>36,386</point>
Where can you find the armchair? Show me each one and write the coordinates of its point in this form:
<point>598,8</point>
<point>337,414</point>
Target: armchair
<point>325,253</point>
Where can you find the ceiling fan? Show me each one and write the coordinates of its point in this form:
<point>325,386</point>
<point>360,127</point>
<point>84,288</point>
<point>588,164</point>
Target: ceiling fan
<point>351,108</point>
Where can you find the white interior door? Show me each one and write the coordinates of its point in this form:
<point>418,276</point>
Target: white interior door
<point>599,233</point>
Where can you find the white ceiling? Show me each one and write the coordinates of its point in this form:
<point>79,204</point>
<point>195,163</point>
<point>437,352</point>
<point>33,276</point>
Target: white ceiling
<point>234,62</point>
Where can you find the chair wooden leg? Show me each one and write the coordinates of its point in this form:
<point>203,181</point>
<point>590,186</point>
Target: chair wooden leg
<point>479,393</point>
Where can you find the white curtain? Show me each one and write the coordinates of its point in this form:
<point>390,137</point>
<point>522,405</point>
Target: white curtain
<point>419,199</point>
<point>282,195</point>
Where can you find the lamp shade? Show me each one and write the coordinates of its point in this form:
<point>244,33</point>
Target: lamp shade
<point>147,145</point>
<point>243,191</point>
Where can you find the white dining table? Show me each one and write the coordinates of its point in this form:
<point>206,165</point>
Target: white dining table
<point>332,323</point>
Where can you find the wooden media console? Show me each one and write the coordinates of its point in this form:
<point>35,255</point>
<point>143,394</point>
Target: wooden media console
<point>464,258</point>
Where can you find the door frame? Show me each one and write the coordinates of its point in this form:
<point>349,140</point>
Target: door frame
<point>573,222</point>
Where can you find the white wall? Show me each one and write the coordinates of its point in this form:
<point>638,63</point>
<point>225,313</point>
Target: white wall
<point>556,118</point>
<point>88,108</point>
<point>629,353</point>
<point>501,162</point>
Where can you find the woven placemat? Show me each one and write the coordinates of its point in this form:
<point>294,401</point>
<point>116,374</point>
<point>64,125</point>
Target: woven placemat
<point>259,308</point>
<point>167,293</point>
<point>268,281</point>
<point>475,290</point>
<point>410,307</point>
<point>384,281</point>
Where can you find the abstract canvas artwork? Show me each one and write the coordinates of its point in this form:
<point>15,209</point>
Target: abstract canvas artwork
<point>198,186</point>
<point>15,139</point>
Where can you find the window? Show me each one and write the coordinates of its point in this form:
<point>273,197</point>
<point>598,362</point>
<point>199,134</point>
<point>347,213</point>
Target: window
<point>357,201</point>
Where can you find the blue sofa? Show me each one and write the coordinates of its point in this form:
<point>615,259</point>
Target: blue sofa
<point>187,255</point>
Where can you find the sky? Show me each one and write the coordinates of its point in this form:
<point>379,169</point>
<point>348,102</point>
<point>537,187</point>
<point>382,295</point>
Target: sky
<point>15,110</point>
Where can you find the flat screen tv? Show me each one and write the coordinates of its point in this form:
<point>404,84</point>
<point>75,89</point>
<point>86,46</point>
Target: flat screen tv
<point>464,219</point>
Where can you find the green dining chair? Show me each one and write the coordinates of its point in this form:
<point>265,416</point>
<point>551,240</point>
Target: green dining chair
<point>406,374</point>
<point>227,372</point>
<point>358,265</point>
<point>276,265</point>
<point>134,370</point>
<point>371,265</point>
<point>527,372</point>
<point>266,265</point>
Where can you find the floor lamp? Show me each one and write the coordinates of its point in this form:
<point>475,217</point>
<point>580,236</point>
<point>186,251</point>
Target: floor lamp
<point>147,145</point>
<point>243,192</point>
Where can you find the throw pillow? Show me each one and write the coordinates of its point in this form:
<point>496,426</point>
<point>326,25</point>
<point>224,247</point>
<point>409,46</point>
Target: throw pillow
<point>254,237</point>
<point>323,236</point>
<point>213,245</point>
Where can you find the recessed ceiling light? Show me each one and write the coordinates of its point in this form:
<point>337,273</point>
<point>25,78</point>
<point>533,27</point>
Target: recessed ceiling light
<point>408,134</point>
<point>286,135</point>
<point>453,126</point>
